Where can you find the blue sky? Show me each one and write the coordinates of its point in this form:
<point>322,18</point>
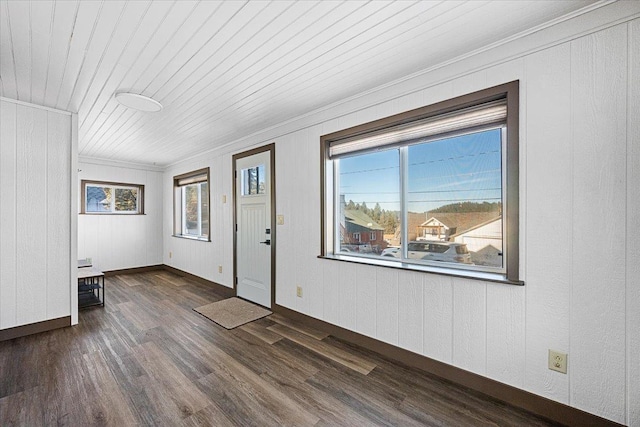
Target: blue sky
<point>464,168</point>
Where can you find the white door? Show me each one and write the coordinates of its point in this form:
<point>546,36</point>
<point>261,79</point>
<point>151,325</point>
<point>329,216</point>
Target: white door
<point>253,234</point>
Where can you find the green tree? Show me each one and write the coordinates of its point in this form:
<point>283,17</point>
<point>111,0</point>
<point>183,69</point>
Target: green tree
<point>377,212</point>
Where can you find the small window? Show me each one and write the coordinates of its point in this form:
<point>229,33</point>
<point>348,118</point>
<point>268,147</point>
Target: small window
<point>99,197</point>
<point>191,205</point>
<point>372,236</point>
<point>253,181</point>
<point>356,237</point>
<point>441,179</point>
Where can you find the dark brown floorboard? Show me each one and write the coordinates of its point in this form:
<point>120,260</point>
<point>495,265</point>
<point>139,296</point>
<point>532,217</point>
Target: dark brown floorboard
<point>147,358</point>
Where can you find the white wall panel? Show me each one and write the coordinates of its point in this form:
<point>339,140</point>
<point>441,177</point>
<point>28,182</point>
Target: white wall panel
<point>340,294</point>
<point>8,214</point>
<point>506,334</point>
<point>31,207</point>
<point>115,242</point>
<point>438,318</point>
<point>597,340</point>
<point>470,325</point>
<point>366,296</point>
<point>58,231</point>
<point>633,229</point>
<point>387,305</point>
<point>549,279</point>
<point>410,315</point>
<point>35,197</point>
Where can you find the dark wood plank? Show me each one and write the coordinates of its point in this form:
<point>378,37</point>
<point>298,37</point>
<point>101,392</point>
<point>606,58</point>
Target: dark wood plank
<point>148,359</point>
<point>313,333</point>
<point>358,364</point>
<point>261,332</point>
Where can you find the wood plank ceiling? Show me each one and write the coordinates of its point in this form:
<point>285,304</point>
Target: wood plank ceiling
<point>224,70</point>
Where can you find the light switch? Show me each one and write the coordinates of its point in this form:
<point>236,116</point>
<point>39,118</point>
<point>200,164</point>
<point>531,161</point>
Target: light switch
<point>224,198</point>
<point>280,219</point>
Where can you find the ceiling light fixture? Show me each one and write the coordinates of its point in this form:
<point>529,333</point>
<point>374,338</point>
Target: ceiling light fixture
<point>138,102</point>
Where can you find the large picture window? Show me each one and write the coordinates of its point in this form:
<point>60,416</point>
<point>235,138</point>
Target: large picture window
<point>433,189</point>
<point>99,197</point>
<point>191,205</point>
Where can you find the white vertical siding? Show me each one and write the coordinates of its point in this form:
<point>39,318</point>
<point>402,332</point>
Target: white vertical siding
<point>438,317</point>
<point>470,325</point>
<point>632,295</point>
<point>579,175</point>
<point>58,200</point>
<point>8,214</point>
<point>411,311</point>
<point>35,197</point>
<point>548,247</point>
<point>116,242</point>
<point>598,122</point>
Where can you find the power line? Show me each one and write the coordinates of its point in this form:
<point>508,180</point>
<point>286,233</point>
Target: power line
<point>483,153</point>
<point>484,199</point>
<point>425,192</point>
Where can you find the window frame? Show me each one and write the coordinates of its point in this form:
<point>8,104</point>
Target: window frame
<point>178,200</point>
<point>511,244</point>
<point>105,184</point>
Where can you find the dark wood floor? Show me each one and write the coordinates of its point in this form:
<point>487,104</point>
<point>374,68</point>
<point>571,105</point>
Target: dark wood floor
<point>148,359</point>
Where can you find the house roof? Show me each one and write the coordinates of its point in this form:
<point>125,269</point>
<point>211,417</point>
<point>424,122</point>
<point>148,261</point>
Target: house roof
<point>362,219</point>
<point>462,221</point>
<point>414,220</point>
<point>482,224</point>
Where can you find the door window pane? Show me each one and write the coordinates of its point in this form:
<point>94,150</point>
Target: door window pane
<point>253,181</point>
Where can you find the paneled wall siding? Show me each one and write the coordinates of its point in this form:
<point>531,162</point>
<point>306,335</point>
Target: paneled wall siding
<point>579,228</point>
<point>116,242</point>
<point>35,214</point>
<point>199,257</point>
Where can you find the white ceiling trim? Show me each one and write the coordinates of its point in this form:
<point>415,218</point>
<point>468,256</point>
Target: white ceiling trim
<point>41,107</point>
<point>120,164</point>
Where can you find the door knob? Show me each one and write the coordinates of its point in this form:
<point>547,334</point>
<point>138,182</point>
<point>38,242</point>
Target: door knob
<point>266,242</point>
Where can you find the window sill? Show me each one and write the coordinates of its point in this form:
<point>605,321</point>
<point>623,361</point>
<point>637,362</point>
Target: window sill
<point>199,239</point>
<point>475,275</point>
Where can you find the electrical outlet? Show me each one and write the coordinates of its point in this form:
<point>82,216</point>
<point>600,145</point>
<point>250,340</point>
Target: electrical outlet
<point>224,198</point>
<point>219,269</point>
<point>558,361</point>
<point>299,291</point>
<point>170,254</point>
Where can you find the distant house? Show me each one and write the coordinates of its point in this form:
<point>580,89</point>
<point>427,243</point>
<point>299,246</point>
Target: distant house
<point>442,226</point>
<point>484,241</point>
<point>360,228</point>
<point>480,231</point>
